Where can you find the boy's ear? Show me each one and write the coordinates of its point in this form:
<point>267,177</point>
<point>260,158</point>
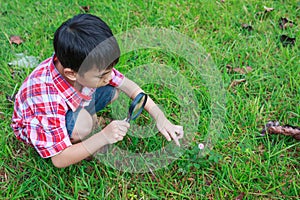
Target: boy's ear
<point>70,74</point>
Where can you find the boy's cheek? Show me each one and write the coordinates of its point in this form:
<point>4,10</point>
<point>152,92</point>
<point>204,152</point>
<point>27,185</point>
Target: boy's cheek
<point>100,83</point>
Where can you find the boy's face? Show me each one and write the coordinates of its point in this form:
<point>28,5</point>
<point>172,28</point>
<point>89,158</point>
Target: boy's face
<point>95,78</point>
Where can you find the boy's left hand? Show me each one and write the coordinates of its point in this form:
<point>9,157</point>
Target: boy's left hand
<point>170,130</point>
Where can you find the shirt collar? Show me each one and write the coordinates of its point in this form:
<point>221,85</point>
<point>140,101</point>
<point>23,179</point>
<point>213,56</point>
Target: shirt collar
<point>72,96</point>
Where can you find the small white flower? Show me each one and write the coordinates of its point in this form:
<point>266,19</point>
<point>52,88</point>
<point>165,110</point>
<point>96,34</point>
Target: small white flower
<point>201,146</point>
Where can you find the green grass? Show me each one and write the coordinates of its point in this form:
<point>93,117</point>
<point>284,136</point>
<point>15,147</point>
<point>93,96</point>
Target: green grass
<point>241,161</point>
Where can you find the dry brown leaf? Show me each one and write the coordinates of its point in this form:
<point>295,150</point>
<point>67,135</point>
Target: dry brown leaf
<point>85,8</point>
<point>285,23</point>
<point>240,197</point>
<point>243,70</point>
<point>236,82</point>
<point>191,179</point>
<point>15,39</point>
<point>287,41</point>
<point>268,9</point>
<point>285,130</point>
<point>247,27</point>
<point>273,127</point>
<point>249,69</point>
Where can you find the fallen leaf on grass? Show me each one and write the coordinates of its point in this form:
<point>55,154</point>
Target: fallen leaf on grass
<point>285,23</point>
<point>85,8</point>
<point>236,82</point>
<point>243,70</point>
<point>240,197</point>
<point>286,40</point>
<point>15,39</point>
<point>285,130</point>
<point>267,9</point>
<point>246,70</point>
<point>191,179</point>
<point>265,13</point>
<point>273,127</point>
<point>247,27</point>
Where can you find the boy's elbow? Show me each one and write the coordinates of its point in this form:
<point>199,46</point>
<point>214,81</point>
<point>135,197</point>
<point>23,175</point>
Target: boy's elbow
<point>58,162</point>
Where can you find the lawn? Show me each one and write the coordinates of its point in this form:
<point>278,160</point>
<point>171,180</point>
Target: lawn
<point>247,75</point>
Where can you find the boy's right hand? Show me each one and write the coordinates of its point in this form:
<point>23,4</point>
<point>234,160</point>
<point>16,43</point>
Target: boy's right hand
<point>115,131</point>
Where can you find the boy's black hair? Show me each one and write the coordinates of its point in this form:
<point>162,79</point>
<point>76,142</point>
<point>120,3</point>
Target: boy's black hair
<point>85,41</point>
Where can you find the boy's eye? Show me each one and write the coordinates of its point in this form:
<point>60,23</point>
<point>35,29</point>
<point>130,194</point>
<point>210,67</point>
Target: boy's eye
<point>103,75</point>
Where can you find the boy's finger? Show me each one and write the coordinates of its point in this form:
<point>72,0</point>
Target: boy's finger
<point>123,128</point>
<point>126,124</point>
<point>165,133</point>
<point>123,124</point>
<point>180,132</point>
<point>180,135</point>
<point>120,138</point>
<point>175,138</point>
<point>123,133</point>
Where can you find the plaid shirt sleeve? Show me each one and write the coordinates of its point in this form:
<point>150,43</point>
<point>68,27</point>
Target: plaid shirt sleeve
<point>117,78</point>
<point>39,115</point>
<point>47,132</point>
<point>44,126</point>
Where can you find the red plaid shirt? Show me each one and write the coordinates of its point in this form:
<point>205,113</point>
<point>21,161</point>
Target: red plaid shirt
<point>41,105</point>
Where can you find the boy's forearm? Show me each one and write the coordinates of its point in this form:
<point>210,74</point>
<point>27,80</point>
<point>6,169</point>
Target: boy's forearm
<point>153,109</point>
<point>79,151</point>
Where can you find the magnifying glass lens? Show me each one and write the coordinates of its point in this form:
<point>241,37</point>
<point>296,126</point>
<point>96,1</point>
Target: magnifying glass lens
<point>137,106</point>
<point>137,109</point>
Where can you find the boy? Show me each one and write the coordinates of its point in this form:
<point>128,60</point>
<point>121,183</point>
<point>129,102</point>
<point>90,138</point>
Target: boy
<point>55,108</point>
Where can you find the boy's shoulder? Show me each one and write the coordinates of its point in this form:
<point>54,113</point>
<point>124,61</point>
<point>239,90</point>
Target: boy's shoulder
<point>42,70</point>
<point>39,79</point>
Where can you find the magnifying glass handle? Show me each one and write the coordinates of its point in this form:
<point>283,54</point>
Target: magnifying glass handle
<point>128,118</point>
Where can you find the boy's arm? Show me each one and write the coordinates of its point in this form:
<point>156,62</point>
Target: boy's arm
<point>77,152</point>
<point>164,126</point>
<point>112,133</point>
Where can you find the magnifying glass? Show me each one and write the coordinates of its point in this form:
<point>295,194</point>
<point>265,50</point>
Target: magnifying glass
<point>137,106</point>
